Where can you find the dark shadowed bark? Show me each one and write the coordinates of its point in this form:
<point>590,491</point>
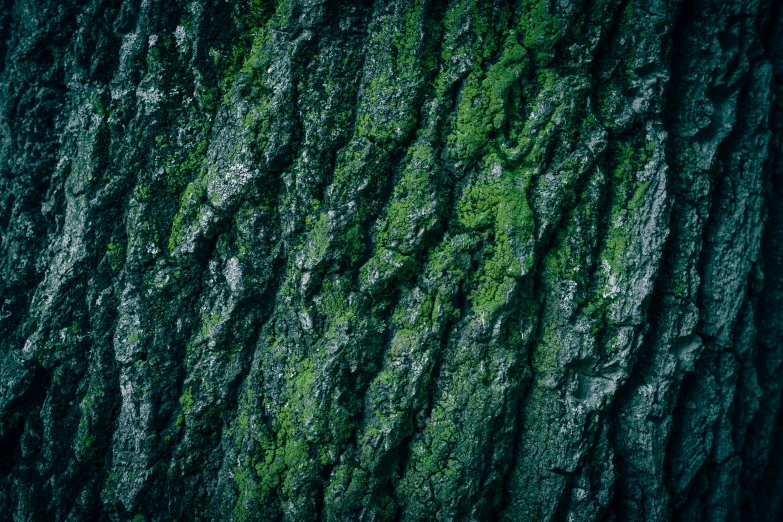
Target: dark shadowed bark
<point>392,260</point>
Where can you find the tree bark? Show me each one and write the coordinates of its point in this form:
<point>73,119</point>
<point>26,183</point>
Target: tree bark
<point>391,260</point>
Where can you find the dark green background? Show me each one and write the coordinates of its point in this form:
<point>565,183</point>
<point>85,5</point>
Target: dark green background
<point>401,260</point>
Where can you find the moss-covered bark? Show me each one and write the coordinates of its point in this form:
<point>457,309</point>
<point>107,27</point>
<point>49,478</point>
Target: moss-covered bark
<point>391,260</point>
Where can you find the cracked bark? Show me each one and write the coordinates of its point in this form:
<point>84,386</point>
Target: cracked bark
<point>398,260</point>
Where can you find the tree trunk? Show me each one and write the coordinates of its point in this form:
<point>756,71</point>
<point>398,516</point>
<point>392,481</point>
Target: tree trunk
<point>392,260</point>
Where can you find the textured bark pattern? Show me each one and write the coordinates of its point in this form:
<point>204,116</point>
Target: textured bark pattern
<point>391,260</point>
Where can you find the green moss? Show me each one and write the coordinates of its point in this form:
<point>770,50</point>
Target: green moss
<point>178,175</point>
<point>497,206</point>
<point>412,212</point>
<point>630,191</point>
<point>186,400</point>
<point>484,98</point>
<point>540,30</point>
<point>100,109</point>
<point>189,210</point>
<point>291,450</point>
<point>115,253</point>
<point>404,59</point>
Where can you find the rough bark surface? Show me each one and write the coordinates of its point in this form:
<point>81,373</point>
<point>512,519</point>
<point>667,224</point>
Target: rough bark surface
<point>391,260</point>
